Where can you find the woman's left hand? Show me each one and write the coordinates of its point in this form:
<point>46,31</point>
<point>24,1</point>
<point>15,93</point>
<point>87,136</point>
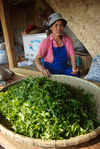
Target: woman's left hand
<point>75,70</point>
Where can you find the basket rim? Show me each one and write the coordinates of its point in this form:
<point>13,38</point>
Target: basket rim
<point>51,143</point>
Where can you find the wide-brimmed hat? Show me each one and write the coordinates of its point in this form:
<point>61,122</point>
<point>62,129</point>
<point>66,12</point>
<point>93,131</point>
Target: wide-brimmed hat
<point>54,17</point>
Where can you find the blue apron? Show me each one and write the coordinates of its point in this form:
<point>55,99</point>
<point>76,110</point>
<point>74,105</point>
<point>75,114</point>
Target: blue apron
<point>59,64</point>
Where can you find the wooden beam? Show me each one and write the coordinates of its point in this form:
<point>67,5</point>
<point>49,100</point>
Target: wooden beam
<point>8,33</point>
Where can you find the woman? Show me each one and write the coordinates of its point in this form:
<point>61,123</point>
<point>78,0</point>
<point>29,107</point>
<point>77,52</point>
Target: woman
<point>56,50</point>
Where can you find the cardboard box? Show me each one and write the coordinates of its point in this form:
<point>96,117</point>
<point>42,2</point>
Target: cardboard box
<point>31,44</point>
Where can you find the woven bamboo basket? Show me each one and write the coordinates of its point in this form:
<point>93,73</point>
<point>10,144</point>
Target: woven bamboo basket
<point>75,82</point>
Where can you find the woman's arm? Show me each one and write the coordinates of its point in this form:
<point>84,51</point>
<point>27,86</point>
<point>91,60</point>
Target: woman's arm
<point>71,53</point>
<point>74,64</point>
<point>39,66</point>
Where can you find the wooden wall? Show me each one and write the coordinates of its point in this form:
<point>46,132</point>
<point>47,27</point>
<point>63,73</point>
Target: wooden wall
<point>83,18</point>
<point>24,14</point>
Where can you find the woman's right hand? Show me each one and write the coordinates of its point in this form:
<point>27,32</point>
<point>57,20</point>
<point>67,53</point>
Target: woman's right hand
<point>41,68</point>
<point>45,72</point>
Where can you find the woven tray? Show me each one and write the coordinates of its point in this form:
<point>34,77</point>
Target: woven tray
<point>75,82</point>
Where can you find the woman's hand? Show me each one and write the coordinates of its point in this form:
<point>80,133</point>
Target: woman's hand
<point>74,65</point>
<point>45,72</point>
<point>39,66</point>
<point>75,70</point>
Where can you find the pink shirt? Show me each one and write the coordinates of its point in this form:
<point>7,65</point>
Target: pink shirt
<point>45,50</point>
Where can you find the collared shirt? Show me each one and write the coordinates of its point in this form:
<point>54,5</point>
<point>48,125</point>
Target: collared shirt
<point>45,50</point>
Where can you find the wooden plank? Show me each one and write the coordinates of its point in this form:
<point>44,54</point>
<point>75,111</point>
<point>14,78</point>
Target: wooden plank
<point>25,72</point>
<point>8,33</point>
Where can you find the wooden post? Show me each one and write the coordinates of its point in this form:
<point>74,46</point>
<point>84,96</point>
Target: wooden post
<point>8,33</point>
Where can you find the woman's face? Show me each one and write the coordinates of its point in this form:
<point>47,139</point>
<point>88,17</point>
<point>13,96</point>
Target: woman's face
<point>57,28</point>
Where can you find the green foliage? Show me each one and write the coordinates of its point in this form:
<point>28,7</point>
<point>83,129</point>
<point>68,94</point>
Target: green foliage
<point>42,108</point>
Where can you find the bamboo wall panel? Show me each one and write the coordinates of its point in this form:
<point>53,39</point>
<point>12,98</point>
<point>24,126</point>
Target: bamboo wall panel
<point>83,18</point>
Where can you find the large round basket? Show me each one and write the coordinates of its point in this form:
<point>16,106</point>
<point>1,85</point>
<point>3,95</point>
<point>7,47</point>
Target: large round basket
<point>75,82</point>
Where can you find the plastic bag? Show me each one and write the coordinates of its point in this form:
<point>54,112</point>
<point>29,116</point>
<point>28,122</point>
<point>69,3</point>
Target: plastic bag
<point>3,57</point>
<point>94,71</point>
<point>5,74</point>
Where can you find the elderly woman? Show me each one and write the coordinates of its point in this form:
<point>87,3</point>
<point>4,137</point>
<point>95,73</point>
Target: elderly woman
<point>56,50</point>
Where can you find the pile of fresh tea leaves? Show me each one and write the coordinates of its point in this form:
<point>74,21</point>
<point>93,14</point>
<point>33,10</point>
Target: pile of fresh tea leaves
<point>43,108</point>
